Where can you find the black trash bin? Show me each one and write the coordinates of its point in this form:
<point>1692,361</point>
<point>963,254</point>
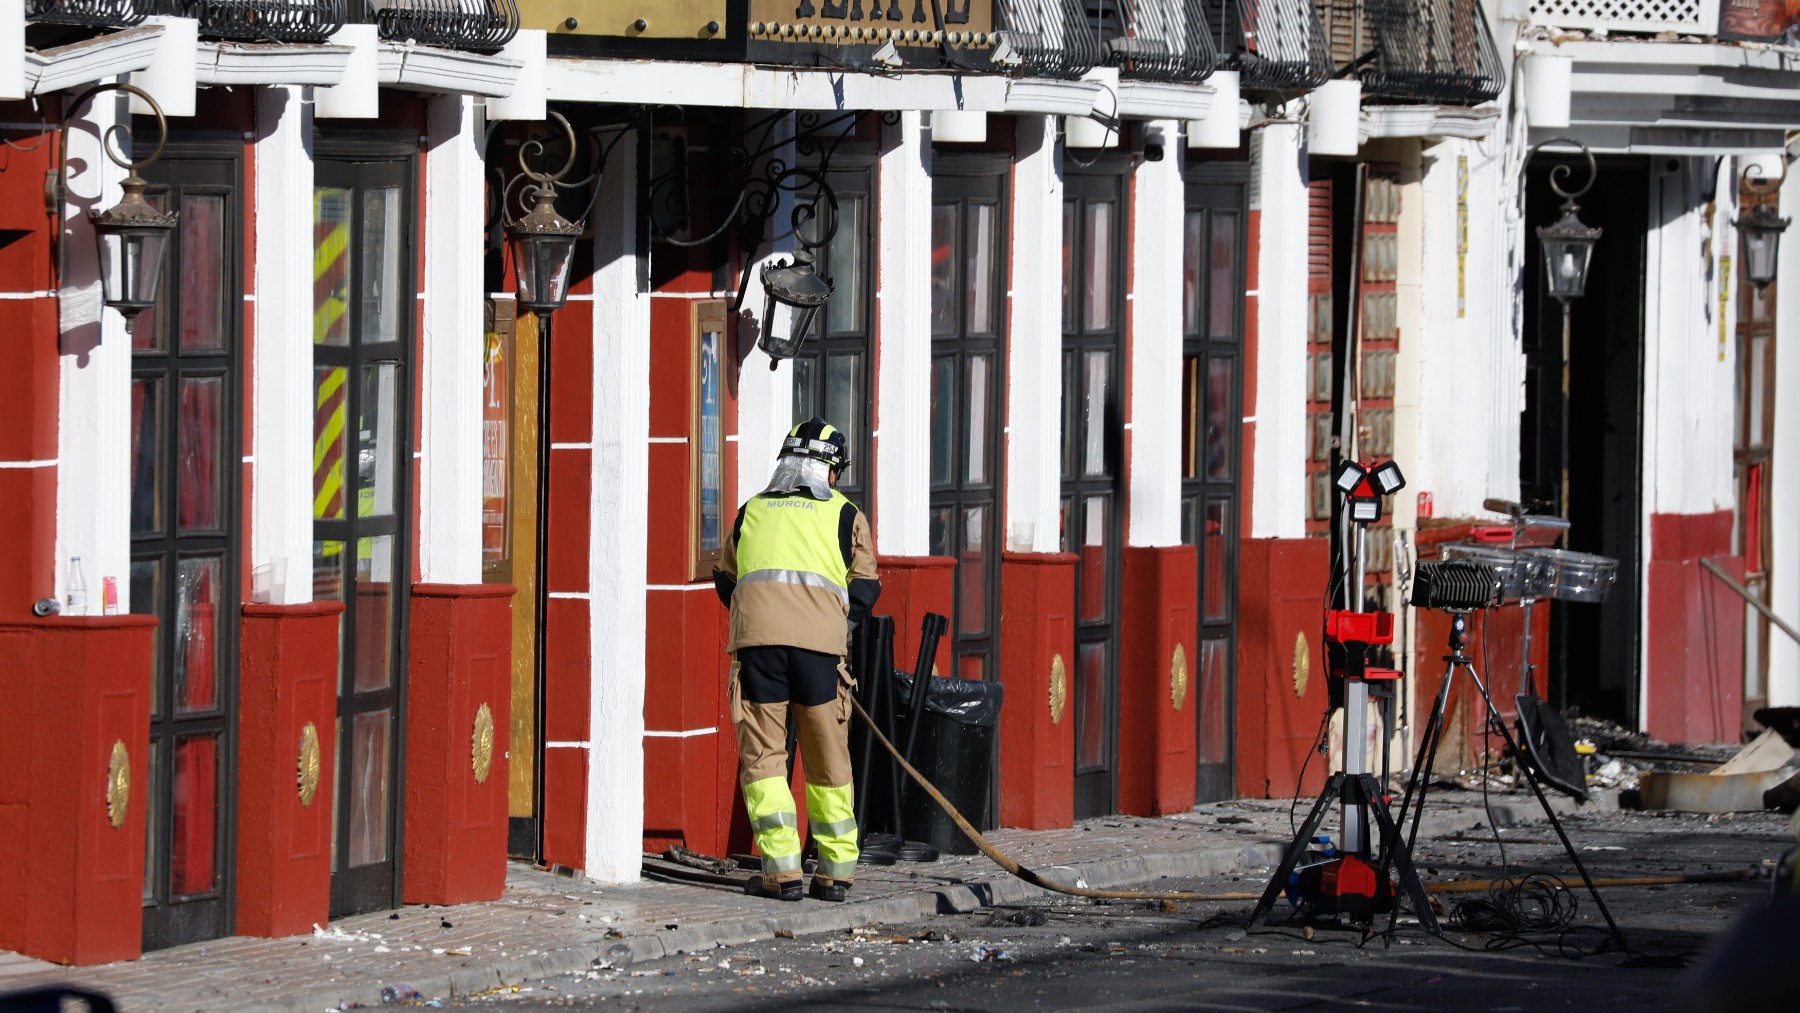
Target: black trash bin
<point>955,751</point>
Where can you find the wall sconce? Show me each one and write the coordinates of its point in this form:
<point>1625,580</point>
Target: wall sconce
<point>1568,243</point>
<point>1762,226</point>
<point>543,242</point>
<point>132,236</point>
<point>798,287</point>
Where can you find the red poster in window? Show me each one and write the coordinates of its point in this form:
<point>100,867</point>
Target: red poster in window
<point>496,437</point>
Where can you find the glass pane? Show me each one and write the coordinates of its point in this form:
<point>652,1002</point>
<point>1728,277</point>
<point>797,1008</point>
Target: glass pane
<point>147,600</point>
<point>844,264</point>
<point>1190,416</point>
<point>331,266</point>
<point>943,269</point>
<point>1219,423</point>
<point>197,602</point>
<point>147,333</point>
<point>1096,376</point>
<point>377,454</point>
<point>153,808</point>
<point>1068,265</point>
<point>1097,289</point>
<point>203,270</point>
<point>193,853</point>
<point>1071,405</point>
<point>1218,535</point>
<point>943,532</point>
<point>981,268</point>
<point>372,657</point>
<point>972,667</point>
<point>200,449</point>
<point>971,572</point>
<point>146,456</point>
<point>844,401</point>
<point>328,571</point>
<point>943,420</point>
<point>1090,706</point>
<point>1093,558</point>
<point>1065,525</point>
<point>369,788</point>
<point>383,303</point>
<point>806,390</point>
<point>979,397</point>
<point>1190,272</point>
<point>1756,410</point>
<point>1190,521</point>
<point>1214,672</point>
<point>331,406</point>
<point>1222,292</point>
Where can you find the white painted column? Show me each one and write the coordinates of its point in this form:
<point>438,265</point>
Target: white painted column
<point>1784,473</point>
<point>281,397</point>
<point>1155,404</point>
<point>765,396</point>
<point>619,526</point>
<point>93,484</point>
<point>450,375</point>
<point>1279,471</point>
<point>1034,342</point>
<point>903,316</point>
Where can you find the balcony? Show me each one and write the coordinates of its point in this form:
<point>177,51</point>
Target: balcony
<point>1436,52</point>
<point>1045,38</point>
<point>87,13</point>
<point>1154,40</point>
<point>258,20</point>
<point>1274,45</point>
<point>480,25</point>
<point>1649,17</point>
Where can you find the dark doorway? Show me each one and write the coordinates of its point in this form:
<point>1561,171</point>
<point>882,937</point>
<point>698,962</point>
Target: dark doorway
<point>185,445</point>
<point>1094,211</point>
<point>1214,239</point>
<point>1594,648</point>
<point>363,336</point>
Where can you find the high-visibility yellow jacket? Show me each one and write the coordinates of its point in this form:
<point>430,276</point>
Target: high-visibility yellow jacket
<point>796,570</point>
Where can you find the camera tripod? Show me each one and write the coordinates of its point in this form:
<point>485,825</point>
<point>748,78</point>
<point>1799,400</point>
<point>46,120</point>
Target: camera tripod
<point>1458,660</point>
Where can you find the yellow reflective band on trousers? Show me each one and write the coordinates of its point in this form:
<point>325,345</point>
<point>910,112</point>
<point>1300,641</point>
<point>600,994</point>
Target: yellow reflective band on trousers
<point>774,818</point>
<point>832,811</point>
<point>793,537</point>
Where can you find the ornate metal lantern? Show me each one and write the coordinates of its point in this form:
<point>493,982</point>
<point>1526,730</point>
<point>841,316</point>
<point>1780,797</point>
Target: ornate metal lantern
<point>132,236</point>
<point>1568,243</point>
<point>799,289</point>
<point>1761,229</point>
<point>543,241</point>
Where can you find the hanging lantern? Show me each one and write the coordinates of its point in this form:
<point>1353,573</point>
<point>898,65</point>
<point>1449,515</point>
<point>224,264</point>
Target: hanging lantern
<point>799,288</point>
<point>543,251</point>
<point>1568,245</point>
<point>133,239</point>
<point>1762,230</point>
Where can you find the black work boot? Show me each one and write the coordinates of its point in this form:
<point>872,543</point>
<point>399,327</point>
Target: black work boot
<point>790,890</point>
<point>827,891</point>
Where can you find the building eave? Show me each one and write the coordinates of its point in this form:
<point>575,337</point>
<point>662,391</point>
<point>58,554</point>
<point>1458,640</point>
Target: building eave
<point>1427,121</point>
<point>90,60</point>
<point>445,71</point>
<point>1163,100</point>
<point>279,63</point>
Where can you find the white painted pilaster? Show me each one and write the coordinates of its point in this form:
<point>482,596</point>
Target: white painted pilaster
<point>903,316</point>
<point>1784,473</point>
<point>1279,471</point>
<point>1155,402</point>
<point>281,396</point>
<point>619,529</point>
<point>450,375</point>
<point>765,396</point>
<point>93,483</point>
<point>1034,342</point>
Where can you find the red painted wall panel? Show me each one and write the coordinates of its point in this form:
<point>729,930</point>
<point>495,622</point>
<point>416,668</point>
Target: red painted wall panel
<point>570,502</point>
<point>461,661</point>
<point>568,667</point>
<point>71,883</point>
<point>1694,659</point>
<point>1037,718</point>
<point>911,586</point>
<point>1157,677</point>
<point>288,661</point>
<point>1280,597</point>
<point>565,807</point>
<point>572,373</point>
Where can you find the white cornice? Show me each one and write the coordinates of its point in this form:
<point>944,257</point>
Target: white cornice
<point>1159,100</point>
<point>90,60</point>
<point>445,71</point>
<point>1052,97</point>
<point>292,63</point>
<point>1471,123</point>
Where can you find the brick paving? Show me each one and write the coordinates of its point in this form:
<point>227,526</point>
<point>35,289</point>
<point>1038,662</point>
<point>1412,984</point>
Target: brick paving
<point>546,924</point>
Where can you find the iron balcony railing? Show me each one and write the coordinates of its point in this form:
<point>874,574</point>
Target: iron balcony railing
<point>455,24</point>
<point>88,13</point>
<point>260,20</point>
<point>1274,45</point>
<point>1045,38</point>
<point>1158,40</point>
<point>1431,51</point>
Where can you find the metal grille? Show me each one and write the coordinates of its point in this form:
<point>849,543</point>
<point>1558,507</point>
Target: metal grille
<point>1437,51</point>
<point>92,13</point>
<point>456,24</point>
<point>260,20</point>
<point>1048,38</point>
<point>1276,45</point>
<point>1700,17</point>
<point>1163,40</point>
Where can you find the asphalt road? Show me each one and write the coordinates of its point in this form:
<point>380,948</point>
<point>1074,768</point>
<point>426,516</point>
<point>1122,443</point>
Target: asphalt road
<point>1068,954</point>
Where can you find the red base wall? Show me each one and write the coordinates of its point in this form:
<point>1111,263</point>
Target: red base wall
<point>461,644</point>
<point>1694,658</point>
<point>72,883</point>
<point>288,661</point>
<point>910,587</point>
<point>1279,703</point>
<point>1158,679</point>
<point>685,801</point>
<point>1037,719</point>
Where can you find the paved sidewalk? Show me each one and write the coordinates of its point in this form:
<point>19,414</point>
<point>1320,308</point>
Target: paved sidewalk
<point>546,925</point>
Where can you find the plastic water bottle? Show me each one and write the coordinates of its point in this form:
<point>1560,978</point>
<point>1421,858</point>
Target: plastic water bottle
<point>77,591</point>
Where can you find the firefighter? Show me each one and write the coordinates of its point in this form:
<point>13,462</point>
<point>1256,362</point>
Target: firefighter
<point>798,574</point>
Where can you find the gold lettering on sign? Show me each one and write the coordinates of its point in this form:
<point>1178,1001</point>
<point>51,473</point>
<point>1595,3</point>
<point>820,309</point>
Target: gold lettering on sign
<point>481,744</point>
<point>1059,689</point>
<point>118,784</point>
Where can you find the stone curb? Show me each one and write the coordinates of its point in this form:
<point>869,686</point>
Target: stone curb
<point>816,918</point>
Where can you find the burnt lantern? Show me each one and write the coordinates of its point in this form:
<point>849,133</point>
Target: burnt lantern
<point>798,287</point>
<point>1762,230</point>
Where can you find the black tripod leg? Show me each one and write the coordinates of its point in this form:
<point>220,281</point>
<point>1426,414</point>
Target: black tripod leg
<point>1296,847</point>
<point>1421,778</point>
<point>1556,824</point>
<point>1393,850</point>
